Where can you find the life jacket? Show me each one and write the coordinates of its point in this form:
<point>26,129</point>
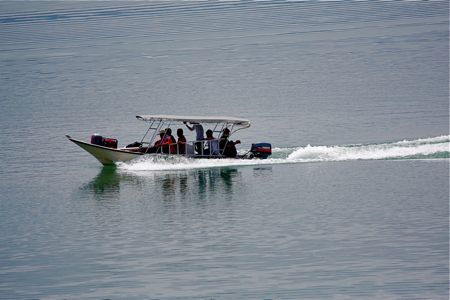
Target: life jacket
<point>168,141</point>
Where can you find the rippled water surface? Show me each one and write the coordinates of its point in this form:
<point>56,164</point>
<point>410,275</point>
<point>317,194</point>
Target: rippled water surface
<point>353,203</point>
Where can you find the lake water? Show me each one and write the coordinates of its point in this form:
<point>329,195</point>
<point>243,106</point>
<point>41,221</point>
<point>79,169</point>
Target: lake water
<point>353,203</point>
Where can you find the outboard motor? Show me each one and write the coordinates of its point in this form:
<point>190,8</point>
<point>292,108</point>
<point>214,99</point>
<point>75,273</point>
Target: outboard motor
<point>261,150</point>
<point>110,143</point>
<point>97,140</point>
<point>102,141</point>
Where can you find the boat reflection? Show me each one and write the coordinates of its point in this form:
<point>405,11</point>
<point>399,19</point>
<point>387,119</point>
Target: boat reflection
<point>106,185</point>
<point>112,183</point>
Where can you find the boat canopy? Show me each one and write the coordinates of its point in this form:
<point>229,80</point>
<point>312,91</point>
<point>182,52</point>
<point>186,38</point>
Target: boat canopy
<point>195,119</point>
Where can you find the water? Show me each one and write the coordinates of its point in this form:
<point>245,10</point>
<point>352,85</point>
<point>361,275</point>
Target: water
<point>353,203</point>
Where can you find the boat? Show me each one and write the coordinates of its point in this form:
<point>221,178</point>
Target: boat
<point>217,146</point>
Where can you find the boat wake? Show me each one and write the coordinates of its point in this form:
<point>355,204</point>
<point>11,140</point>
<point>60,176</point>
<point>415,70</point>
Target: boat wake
<point>426,148</point>
<point>437,147</point>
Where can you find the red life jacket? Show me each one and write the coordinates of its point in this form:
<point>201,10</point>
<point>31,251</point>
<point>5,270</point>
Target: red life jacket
<point>168,142</point>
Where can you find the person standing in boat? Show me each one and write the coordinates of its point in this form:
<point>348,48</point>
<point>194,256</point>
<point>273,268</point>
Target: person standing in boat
<point>227,147</point>
<point>199,135</point>
<point>181,142</point>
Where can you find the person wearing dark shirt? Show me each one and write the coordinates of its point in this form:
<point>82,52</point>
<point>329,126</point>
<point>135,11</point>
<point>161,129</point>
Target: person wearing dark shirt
<point>181,141</point>
<point>227,147</point>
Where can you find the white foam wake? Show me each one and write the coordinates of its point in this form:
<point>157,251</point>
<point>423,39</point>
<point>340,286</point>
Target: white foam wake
<point>427,148</point>
<point>420,148</point>
<point>154,163</point>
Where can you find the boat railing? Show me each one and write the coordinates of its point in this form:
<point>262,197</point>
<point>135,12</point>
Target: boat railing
<point>196,149</point>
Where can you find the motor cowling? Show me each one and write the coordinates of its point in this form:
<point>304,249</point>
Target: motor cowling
<point>261,150</point>
<point>97,140</point>
<point>102,141</point>
<point>110,143</point>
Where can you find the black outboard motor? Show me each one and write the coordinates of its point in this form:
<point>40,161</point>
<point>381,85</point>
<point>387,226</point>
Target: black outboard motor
<point>97,140</point>
<point>261,150</point>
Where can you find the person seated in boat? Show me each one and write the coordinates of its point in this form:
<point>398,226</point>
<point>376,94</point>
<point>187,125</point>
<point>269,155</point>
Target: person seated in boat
<point>181,144</point>
<point>227,147</point>
<point>212,144</point>
<point>199,135</point>
<point>168,142</point>
<point>157,145</point>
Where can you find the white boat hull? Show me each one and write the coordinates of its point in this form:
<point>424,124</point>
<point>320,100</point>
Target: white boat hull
<point>107,156</point>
